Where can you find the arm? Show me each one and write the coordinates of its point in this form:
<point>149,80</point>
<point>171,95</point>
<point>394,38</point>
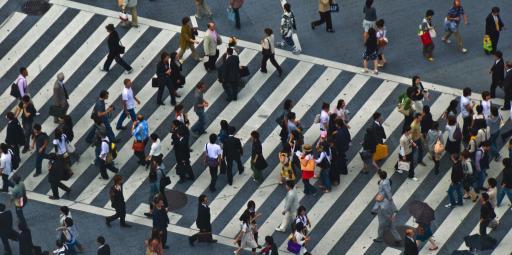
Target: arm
<point>478,157</point>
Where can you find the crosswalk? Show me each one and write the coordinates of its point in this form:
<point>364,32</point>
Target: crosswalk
<point>341,220</point>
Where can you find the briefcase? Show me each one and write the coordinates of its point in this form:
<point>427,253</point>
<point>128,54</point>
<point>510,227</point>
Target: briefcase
<point>154,82</point>
<point>244,71</point>
<point>204,237</point>
<point>57,111</point>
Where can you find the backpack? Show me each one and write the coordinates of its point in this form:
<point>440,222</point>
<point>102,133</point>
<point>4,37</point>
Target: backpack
<point>15,160</point>
<point>112,150</point>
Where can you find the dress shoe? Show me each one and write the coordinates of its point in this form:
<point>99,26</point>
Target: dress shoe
<point>107,221</point>
<point>121,128</point>
<point>36,174</point>
<point>377,240</point>
<point>191,241</point>
<point>149,215</point>
<point>124,225</point>
<point>212,241</point>
<point>330,30</point>
<point>160,103</point>
<point>53,198</point>
<point>263,71</point>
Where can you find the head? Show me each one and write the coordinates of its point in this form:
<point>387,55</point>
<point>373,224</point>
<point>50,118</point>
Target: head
<point>508,65</point>
<point>291,116</point>
<point>268,31</point>
<point>269,240</point>
<point>456,3</point>
<point>492,182</point>
<point>498,55</point>
<point>100,240</point>
<point>290,185</point>
<point>418,116</point>
<point>231,130</point>
<point>140,117</point>
<point>379,24</point>
<point>10,116</point>
<point>68,222</point>
<point>435,125</point>
<point>59,243</point>
<point>4,148</point>
<point>118,179</point>
<point>301,210</point>
<point>211,26</point>
<point>486,145</point>
<point>24,71</point>
<point>200,86</point>
<point>213,138</point>
<point>174,56</point>
<point>409,232</point>
<point>372,34</point>
<point>104,95</point>
<point>340,104</point>
<point>127,83</point>
<point>494,111</point>
<point>369,3</point>
<point>64,210</point>
<point>466,92</point>
<point>325,106</point>
<point>16,179</point>
<point>164,57</point>
<point>159,202</point>
<point>299,227</point>
<point>465,155</point>
<point>60,77</point>
<point>416,80</point>
<point>407,130</point>
<point>377,116</point>
<point>110,28</point>
<point>484,198</point>
<point>495,10</point>
<point>224,124</point>
<point>287,7</point>
<point>479,109</point>
<point>203,199</point>
<point>185,21</point>
<point>255,135</point>
<point>486,95</point>
<point>251,205</point>
<point>25,99</point>
<point>452,120</point>
<point>429,14</point>
<point>37,128</point>
<point>383,175</point>
<point>229,51</point>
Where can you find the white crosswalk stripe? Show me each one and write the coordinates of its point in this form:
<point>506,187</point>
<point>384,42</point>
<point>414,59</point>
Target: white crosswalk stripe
<point>246,118</point>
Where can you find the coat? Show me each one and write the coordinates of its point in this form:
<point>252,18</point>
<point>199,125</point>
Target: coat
<point>56,171</point>
<point>210,44</point>
<point>231,69</point>
<point>490,25</point>
<point>498,71</point>
<point>507,83</point>
<point>410,247</point>
<point>342,140</point>
<point>60,97</point>
<point>25,242</point>
<point>117,198</point>
<point>232,147</point>
<point>203,218</point>
<point>163,79</point>
<point>113,43</point>
<point>379,131</point>
<point>160,219</point>
<point>105,250</point>
<point>324,5</point>
<point>185,36</point>
<point>15,134</point>
<point>181,150</point>
<point>176,73</point>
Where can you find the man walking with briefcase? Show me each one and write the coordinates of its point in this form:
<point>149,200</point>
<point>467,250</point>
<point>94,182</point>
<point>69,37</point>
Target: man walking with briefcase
<point>203,223</point>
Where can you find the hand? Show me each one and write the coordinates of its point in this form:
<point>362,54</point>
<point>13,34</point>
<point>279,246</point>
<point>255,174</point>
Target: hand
<point>196,42</point>
<point>404,158</point>
<point>126,112</point>
<point>138,101</point>
<point>40,150</point>
<point>168,72</point>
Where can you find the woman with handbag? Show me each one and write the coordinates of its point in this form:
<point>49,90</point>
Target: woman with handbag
<point>454,136</point>
<point>435,145</point>
<point>307,166</point>
<point>140,132</point>
<point>405,154</point>
<point>212,158</point>
<point>258,163</point>
<point>285,158</point>
<point>268,50</point>
<point>428,31</point>
<point>424,234</point>
<point>67,235</point>
<point>298,240</point>
<point>246,235</point>
<point>288,27</point>
<point>177,78</point>
<point>303,218</point>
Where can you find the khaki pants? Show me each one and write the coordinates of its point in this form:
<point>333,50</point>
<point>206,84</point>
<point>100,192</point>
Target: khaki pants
<point>192,49</point>
<point>203,8</point>
<point>458,38</point>
<point>287,218</point>
<point>133,12</point>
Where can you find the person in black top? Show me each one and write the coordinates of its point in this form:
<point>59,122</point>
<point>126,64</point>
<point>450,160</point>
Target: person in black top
<point>56,172</point>
<point>103,249</point>
<point>370,52</point>
<point>161,220</point>
<point>182,153</point>
<point>231,75</point>
<point>506,182</point>
<point>233,151</point>
<point>114,50</point>
<point>118,203</point>
<point>457,176</point>
<point>498,72</point>
<point>378,128</point>
<point>28,112</point>
<point>411,248</point>
<point>40,143</point>
<point>507,86</point>
<point>25,240</point>
<point>203,222</point>
<point>6,230</point>
<point>163,74</point>
<point>427,121</point>
<point>14,137</point>
<point>493,27</point>
<point>486,213</point>
<point>257,160</point>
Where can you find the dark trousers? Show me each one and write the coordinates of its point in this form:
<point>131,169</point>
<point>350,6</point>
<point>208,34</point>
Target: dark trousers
<point>231,89</point>
<point>325,17</point>
<point>120,214</point>
<point>483,226</point>
<point>184,170</point>
<point>272,59</point>
<point>494,41</point>
<point>160,92</point>
<point>123,116</point>
<point>494,85</point>
<point>111,57</point>
<point>211,61</point>
<point>428,50</point>
<point>6,183</point>
<point>55,188</point>
<point>213,174</point>
<point>39,161</point>
<point>12,235</point>
<point>237,17</point>
<point>410,158</point>
<point>163,235</point>
<point>508,97</point>
<point>27,131</point>
<point>103,168</point>
<point>206,234</point>
<point>308,188</point>
<point>20,215</point>
<point>465,128</point>
<point>229,170</point>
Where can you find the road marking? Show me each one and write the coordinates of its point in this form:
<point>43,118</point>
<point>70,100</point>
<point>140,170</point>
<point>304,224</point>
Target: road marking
<point>10,24</point>
<point>144,208</point>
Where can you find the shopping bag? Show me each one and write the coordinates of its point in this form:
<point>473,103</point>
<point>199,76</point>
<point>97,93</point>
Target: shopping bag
<point>381,152</point>
<point>487,44</point>
<point>425,38</point>
<point>138,146</point>
<point>231,14</point>
<point>295,38</point>
<point>404,165</point>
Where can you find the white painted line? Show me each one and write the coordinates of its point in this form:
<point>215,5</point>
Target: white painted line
<point>77,95</point>
<point>9,25</point>
<point>227,194</point>
<point>144,208</point>
<point>2,3</point>
<point>193,21</point>
<point>399,197</point>
<point>279,52</point>
<point>505,246</point>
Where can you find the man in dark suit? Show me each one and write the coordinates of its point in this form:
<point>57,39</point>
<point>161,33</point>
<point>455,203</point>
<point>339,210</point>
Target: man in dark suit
<point>161,221</point>
<point>493,26</point>
<point>342,143</point>
<point>103,248</point>
<point>410,244</point>
<point>203,222</point>
<point>231,74</point>
<point>6,230</point>
<point>498,72</point>
<point>182,153</point>
<point>507,86</point>
<point>233,151</point>
<point>114,50</point>
<point>378,128</point>
<point>15,136</point>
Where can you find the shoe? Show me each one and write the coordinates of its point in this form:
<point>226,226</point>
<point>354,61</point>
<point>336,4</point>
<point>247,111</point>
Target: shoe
<point>36,174</point>
<point>414,179</point>
<point>447,41</point>
<point>53,198</point>
<point>378,240</point>
<point>124,225</point>
<point>214,241</point>
<point>107,222</point>
<point>241,171</point>
<point>280,230</point>
<point>190,241</point>
<point>464,50</point>
<point>197,16</point>
<point>422,163</point>
<point>504,108</point>
<point>296,52</point>
<point>397,243</point>
<point>129,71</point>
<point>103,70</point>
<point>280,73</point>
<point>135,25</point>
<point>449,206</point>
<point>312,26</point>
<point>330,30</point>
<point>121,128</point>
<point>181,181</point>
<point>160,103</point>
<point>25,150</point>
<point>400,171</point>
<point>104,177</point>
<point>365,70</point>
<point>430,59</point>
<point>263,71</point>
<point>375,72</point>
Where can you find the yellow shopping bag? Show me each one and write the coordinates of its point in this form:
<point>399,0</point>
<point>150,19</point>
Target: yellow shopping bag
<point>381,152</point>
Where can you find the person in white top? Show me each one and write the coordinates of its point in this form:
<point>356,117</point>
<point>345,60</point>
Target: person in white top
<point>300,237</point>
<point>268,51</point>
<point>103,161</point>
<point>466,109</point>
<point>21,81</point>
<point>156,148</point>
<point>341,112</point>
<point>129,100</point>
<point>324,117</point>
<point>212,158</point>
<point>5,167</point>
<point>486,103</point>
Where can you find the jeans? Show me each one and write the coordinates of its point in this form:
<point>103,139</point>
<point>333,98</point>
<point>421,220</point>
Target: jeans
<point>419,151</point>
<point>502,193</point>
<point>288,41</point>
<point>27,131</point>
<point>483,226</point>
<point>39,161</point>
<point>237,17</point>
<point>455,188</point>
<point>198,127</point>
<point>133,116</point>
<point>6,183</point>
<point>494,153</point>
<point>325,177</point>
<point>110,133</point>
<point>231,89</point>
<point>308,188</point>
<point>229,168</point>
<point>115,56</point>
<point>479,180</point>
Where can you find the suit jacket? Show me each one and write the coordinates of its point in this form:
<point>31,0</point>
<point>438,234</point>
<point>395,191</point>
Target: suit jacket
<point>14,133</point>
<point>113,43</point>
<point>231,69</point>
<point>210,43</point>
<point>379,131</point>
<point>342,140</point>
<point>507,83</point>
<point>5,223</point>
<point>104,250</point>
<point>60,97</point>
<point>176,73</point>
<point>163,78</point>
<point>203,218</point>
<point>498,71</point>
<point>181,150</point>
<point>160,219</point>
<point>490,25</point>
<point>410,247</point>
<point>233,147</point>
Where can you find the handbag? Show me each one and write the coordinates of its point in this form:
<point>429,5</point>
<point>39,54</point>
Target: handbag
<point>293,247</point>
<point>244,71</point>
<point>381,152</point>
<point>438,147</point>
<point>334,7</point>
<point>425,38</point>
<point>138,146</point>
<point>57,111</point>
<point>120,48</point>
<point>15,92</point>
<point>166,180</point>
<point>154,82</point>
<point>432,32</point>
<point>308,168</point>
<point>450,26</point>
<point>231,14</point>
<point>487,44</point>
<point>404,165</point>
<point>261,163</point>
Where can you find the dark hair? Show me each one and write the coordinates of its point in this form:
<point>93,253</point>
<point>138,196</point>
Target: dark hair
<point>68,121</point>
<point>340,102</point>
<point>479,109</point>
<point>178,107</point>
<point>325,105</point>
<point>299,226</point>
<point>10,116</point>
<point>200,84</point>
<point>287,7</point>
<point>68,221</point>
<point>466,92</point>
<point>268,31</point>
<point>22,69</point>
<point>368,3</point>
<point>251,204</point>
<point>255,135</point>
<point>64,210</point>
<point>301,209</point>
<point>406,129</point>
<point>2,207</point>
<point>288,104</point>
<point>492,182</point>
<point>452,120</point>
<point>37,127</point>
<point>414,78</point>
<point>426,109</point>
<point>154,136</point>
<point>224,124</point>
<point>485,94</point>
<point>185,20</point>
<point>498,54</point>
<point>163,55</point>
<point>213,138</point>
<point>290,184</point>
<point>231,130</point>
<point>495,9</point>
<point>25,99</point>
<point>485,144</point>
<point>269,240</point>
<point>110,27</point>
<point>376,115</point>
<point>59,243</point>
<point>429,13</point>
<point>173,55</point>
<point>494,111</point>
<point>383,174</point>
<point>100,240</point>
<point>380,23</point>
<point>372,36</point>
<point>435,125</point>
<point>465,154</point>
<point>201,198</point>
<point>16,179</point>
<point>4,147</point>
<point>229,51</point>
<point>485,196</point>
<point>103,94</point>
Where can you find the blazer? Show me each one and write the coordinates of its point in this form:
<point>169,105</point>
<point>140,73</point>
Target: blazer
<point>203,218</point>
<point>60,97</point>
<point>104,250</point>
<point>176,73</point>
<point>379,131</point>
<point>233,147</point>
<point>14,133</point>
<point>498,71</point>
<point>162,77</point>
<point>5,223</point>
<point>210,44</point>
<point>181,150</point>
<point>342,140</point>
<point>507,83</point>
<point>410,247</point>
<point>113,43</point>
<point>160,219</point>
<point>490,25</point>
<point>231,69</point>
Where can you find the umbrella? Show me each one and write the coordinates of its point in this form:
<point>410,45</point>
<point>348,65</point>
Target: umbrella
<point>421,211</point>
<point>479,242</point>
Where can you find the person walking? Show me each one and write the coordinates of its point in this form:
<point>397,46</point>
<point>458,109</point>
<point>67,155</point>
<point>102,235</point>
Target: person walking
<point>210,42</point>
<point>100,110</point>
<point>370,17</point>
<point>39,143</point>
<point>233,151</point>
<point>246,237</point>
<point>507,86</point>
<point>288,27</point>
<point>387,217</point>
<point>115,49</point>
<point>15,135</point>
<point>200,104</point>
<point>457,178</point>
<point>202,8</point>
<point>28,112</point>
<point>118,203</point>
<point>258,163</point>
<point>212,159</point>
<point>177,79</point>
<point>187,39</point>
<point>268,52</point>
<point>60,96</point>
<point>156,149</point>
<point>466,110</point>
<point>105,158</point>
<point>506,182</point>
<point>131,5</point>
<point>56,170</point>
<point>140,132</point>
<point>161,221</point>
<point>103,247</point>
<point>6,167</point>
<point>26,246</point>
<point>385,190</point>
<point>497,72</point>
<point>19,198</point>
<point>406,152</point>
<point>435,145</point>
<point>129,100</point>
<point>382,42</point>
<point>203,222</point>
<point>7,231</point>
<point>324,162</point>
<point>452,22</point>
<point>22,83</point>
<point>428,30</point>
<point>482,161</point>
<point>67,235</point>
<point>163,74</point>
<point>291,204</point>
<point>370,52</point>
<point>286,160</point>
<point>494,122</point>
<point>342,141</point>
<point>236,5</point>
<point>307,166</point>
<point>411,248</point>
<point>417,138</point>
<point>493,27</point>
<point>487,214</point>
<point>182,153</point>
<point>324,9</point>
<point>370,141</point>
<point>270,247</point>
<point>231,75</point>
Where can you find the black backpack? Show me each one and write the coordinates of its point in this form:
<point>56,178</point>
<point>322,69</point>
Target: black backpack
<point>15,160</point>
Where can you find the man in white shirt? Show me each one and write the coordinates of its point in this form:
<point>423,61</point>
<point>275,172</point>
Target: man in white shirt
<point>210,41</point>
<point>212,159</point>
<point>291,204</point>
<point>5,167</point>
<point>21,81</point>
<point>103,162</point>
<point>324,117</point>
<point>129,100</point>
<point>466,110</point>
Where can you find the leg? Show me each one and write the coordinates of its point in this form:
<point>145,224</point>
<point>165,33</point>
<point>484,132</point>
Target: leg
<point>121,119</point>
<point>121,61</point>
<point>493,89</point>
<point>239,165</point>
<point>55,190</point>
<point>172,92</point>
<point>103,169</point>
<point>5,181</point>
<point>320,21</point>
<point>27,131</point>
<point>181,52</point>
<point>263,66</point>
<point>410,158</point>
<point>275,64</point>
<point>63,187</point>
<point>229,170</point>
<point>159,94</point>
<point>213,175</point>
<point>7,246</point>
<point>458,38</point>
<point>39,162</point>
<point>483,227</point>
<point>21,217</point>
<point>451,196</point>
<point>494,41</point>
<point>193,52</point>
<point>108,62</point>
<point>164,237</point>
<point>133,11</point>
<point>110,133</point>
<point>133,116</point>
<point>458,189</point>
<point>328,21</point>
<point>237,17</point>
<point>447,35</point>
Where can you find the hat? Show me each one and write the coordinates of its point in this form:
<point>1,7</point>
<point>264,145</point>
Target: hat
<point>323,134</point>
<point>307,148</point>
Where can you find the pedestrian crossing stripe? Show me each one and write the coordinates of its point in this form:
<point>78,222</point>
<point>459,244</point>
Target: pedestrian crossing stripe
<point>143,63</point>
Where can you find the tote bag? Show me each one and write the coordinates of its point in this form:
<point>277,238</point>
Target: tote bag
<point>381,152</point>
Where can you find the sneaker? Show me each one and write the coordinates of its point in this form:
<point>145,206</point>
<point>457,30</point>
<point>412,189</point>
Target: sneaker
<point>414,179</point>
<point>365,70</point>
<point>197,16</point>
<point>464,50</point>
<point>38,113</point>
<point>124,225</point>
<point>103,70</point>
<point>375,72</point>
<point>430,59</point>
<point>449,206</point>
<point>312,26</point>
<point>129,71</point>
<point>296,52</point>
<point>280,230</point>
<point>447,41</point>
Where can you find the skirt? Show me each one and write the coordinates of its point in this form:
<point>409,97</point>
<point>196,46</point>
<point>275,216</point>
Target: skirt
<point>370,55</point>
